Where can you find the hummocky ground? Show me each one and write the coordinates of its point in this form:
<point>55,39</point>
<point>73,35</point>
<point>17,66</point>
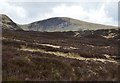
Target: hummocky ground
<point>90,55</point>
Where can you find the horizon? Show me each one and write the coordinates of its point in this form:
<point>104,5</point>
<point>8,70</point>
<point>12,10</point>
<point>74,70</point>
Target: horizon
<point>104,12</point>
<point>59,17</point>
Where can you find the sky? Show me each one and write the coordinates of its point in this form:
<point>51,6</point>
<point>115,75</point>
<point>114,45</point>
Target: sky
<point>95,11</point>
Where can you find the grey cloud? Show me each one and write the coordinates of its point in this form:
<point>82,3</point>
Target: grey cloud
<point>35,9</point>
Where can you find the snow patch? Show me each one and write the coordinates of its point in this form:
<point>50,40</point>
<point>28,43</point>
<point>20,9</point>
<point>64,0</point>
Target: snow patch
<point>68,55</point>
<point>54,46</point>
<point>76,34</point>
<point>111,35</point>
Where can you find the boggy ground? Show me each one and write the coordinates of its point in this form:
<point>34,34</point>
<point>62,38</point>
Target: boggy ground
<point>54,56</point>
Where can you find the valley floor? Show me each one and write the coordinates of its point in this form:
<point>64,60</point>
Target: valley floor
<point>72,56</point>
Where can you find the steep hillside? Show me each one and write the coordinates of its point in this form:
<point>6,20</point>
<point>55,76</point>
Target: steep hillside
<point>7,23</point>
<point>63,24</point>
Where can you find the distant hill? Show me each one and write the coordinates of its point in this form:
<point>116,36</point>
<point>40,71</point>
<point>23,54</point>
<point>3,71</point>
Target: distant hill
<point>7,23</point>
<point>84,55</point>
<point>63,24</point>
<point>53,24</point>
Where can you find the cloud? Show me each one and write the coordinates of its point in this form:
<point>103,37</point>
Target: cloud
<point>13,11</point>
<point>101,16</point>
<point>103,12</point>
<point>61,0</point>
<point>96,15</point>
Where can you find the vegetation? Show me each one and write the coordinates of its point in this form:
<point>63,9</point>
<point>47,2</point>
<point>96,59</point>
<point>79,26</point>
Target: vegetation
<point>31,56</point>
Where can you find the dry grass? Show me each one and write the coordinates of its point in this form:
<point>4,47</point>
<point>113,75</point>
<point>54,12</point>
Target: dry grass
<point>93,59</point>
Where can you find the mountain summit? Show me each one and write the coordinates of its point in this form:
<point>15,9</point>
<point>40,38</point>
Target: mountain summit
<point>63,24</point>
<point>52,24</point>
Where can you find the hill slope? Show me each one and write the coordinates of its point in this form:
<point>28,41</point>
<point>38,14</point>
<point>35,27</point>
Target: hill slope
<point>63,24</point>
<point>60,56</point>
<point>7,23</point>
<point>52,24</point>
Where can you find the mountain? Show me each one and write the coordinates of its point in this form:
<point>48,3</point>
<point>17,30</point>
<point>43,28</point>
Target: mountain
<point>84,55</point>
<point>7,23</point>
<point>52,24</point>
<point>63,24</point>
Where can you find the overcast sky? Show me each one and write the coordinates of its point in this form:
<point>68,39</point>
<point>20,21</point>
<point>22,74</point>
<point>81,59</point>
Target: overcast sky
<point>26,11</point>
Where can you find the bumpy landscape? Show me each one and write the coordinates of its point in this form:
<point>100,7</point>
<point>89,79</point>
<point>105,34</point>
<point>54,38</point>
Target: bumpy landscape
<point>42,54</point>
